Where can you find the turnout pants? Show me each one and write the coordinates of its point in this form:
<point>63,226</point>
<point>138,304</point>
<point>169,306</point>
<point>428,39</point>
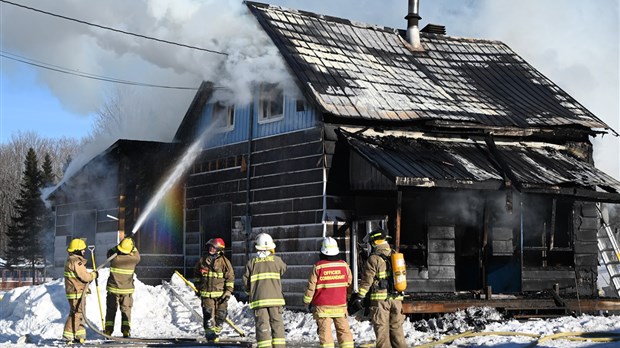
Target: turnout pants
<point>214,315</point>
<point>74,327</point>
<point>387,320</point>
<point>113,301</point>
<point>269,327</point>
<point>343,332</point>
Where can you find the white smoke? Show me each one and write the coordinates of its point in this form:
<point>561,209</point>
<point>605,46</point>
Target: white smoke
<point>573,42</point>
<point>249,57</point>
<point>221,26</point>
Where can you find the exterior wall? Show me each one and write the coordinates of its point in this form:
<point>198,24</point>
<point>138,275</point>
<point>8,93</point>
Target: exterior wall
<point>293,120</point>
<point>583,275</point>
<point>105,229</point>
<point>440,274</point>
<point>286,201</point>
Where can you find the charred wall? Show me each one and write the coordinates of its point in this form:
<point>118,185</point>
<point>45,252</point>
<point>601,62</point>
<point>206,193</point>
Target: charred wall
<point>285,200</point>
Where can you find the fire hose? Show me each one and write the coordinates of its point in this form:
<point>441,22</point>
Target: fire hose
<point>572,336</point>
<point>228,321</point>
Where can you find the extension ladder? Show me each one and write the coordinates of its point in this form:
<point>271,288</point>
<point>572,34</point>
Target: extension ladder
<point>609,252</point>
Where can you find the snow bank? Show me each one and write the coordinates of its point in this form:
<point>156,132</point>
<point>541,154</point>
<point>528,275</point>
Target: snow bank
<point>40,312</point>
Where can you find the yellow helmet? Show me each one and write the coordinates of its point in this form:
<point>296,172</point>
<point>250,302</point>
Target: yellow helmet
<point>76,244</point>
<point>125,246</point>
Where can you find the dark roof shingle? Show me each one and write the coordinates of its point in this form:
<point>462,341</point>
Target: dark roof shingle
<point>355,70</point>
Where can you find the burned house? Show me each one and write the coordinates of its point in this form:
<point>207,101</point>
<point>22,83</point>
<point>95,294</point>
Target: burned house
<point>105,198</point>
<point>478,165</point>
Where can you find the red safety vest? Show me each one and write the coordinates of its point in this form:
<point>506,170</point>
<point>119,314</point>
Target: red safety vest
<point>332,282</point>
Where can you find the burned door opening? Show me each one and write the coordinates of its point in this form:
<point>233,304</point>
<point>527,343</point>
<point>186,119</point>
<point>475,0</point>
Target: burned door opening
<point>216,222</point>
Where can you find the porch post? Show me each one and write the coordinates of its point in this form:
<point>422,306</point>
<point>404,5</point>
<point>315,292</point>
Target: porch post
<point>399,201</point>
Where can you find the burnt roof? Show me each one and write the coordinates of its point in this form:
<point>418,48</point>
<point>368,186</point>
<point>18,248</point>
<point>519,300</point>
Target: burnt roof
<point>362,72</point>
<point>418,161</point>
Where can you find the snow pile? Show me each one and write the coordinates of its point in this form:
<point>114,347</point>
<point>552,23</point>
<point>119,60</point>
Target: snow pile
<point>40,312</point>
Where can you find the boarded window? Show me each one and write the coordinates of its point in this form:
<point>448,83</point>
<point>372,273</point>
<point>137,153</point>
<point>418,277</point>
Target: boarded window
<point>271,103</point>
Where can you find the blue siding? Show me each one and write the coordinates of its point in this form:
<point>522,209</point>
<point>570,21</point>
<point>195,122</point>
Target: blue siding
<point>292,121</point>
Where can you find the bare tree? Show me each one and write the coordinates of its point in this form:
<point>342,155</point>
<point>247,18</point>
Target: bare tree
<point>12,155</point>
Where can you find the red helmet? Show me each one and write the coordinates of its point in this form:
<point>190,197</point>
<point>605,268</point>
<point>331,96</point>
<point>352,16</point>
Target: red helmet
<point>217,243</point>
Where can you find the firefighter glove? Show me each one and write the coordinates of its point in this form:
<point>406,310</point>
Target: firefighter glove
<point>308,307</point>
<point>224,298</point>
<point>357,302</point>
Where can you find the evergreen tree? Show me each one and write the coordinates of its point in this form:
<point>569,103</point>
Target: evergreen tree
<point>24,231</point>
<point>47,178</point>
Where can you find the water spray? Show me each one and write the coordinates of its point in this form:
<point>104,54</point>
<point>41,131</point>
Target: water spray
<point>180,168</point>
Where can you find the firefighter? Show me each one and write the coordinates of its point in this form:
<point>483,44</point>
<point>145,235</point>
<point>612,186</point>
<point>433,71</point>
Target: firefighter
<point>327,289</point>
<point>385,303</point>
<point>120,287</point>
<point>215,280</point>
<point>263,283</point>
<point>77,279</point>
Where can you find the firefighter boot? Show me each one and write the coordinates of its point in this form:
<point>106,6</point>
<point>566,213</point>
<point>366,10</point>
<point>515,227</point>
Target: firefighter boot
<point>126,333</point>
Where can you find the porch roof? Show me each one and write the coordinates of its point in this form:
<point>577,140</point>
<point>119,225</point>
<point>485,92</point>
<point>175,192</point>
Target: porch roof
<point>392,159</point>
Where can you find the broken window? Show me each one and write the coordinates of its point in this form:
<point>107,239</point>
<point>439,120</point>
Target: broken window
<point>223,116</point>
<point>271,103</point>
<point>547,230</point>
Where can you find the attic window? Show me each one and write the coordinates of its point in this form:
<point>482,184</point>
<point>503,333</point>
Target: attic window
<point>271,103</point>
<point>300,105</point>
<point>223,116</point>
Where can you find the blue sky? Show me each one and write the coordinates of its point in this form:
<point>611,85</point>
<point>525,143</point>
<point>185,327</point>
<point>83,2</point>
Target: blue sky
<point>575,43</point>
<point>26,105</point>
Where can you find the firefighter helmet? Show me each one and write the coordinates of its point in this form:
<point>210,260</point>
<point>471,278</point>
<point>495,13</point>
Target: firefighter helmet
<point>329,247</point>
<point>217,243</point>
<point>264,242</point>
<point>377,236</point>
<point>76,244</point>
<point>125,246</point>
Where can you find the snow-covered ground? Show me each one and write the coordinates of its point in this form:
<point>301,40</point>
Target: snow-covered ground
<point>40,312</point>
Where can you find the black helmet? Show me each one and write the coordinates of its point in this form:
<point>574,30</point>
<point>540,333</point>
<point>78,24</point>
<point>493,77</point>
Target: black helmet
<point>377,236</point>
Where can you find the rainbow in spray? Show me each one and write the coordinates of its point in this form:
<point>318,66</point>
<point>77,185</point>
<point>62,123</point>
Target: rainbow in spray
<point>179,169</point>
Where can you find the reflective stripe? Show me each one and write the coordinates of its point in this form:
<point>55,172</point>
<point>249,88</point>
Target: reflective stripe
<point>363,292</point>
<point>121,270</point>
<point>327,345</point>
<point>267,303</point>
<point>74,296</point>
<point>332,285</point>
<point>307,299</point>
<point>119,291</point>
<point>229,284</point>
<point>267,275</point>
<point>329,265</point>
<point>266,343</point>
<point>70,274</point>
<point>382,275</point>
<point>212,274</point>
<point>379,296</point>
<point>346,344</point>
<point>211,294</point>
<point>278,341</point>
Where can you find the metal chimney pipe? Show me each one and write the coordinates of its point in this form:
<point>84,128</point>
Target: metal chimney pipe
<point>413,19</point>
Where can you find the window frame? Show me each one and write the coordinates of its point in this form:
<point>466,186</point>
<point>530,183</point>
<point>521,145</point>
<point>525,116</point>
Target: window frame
<point>265,95</point>
<point>229,117</point>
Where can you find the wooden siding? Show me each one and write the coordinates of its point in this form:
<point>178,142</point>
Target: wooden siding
<point>66,230</point>
<point>286,200</point>
<point>292,121</point>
